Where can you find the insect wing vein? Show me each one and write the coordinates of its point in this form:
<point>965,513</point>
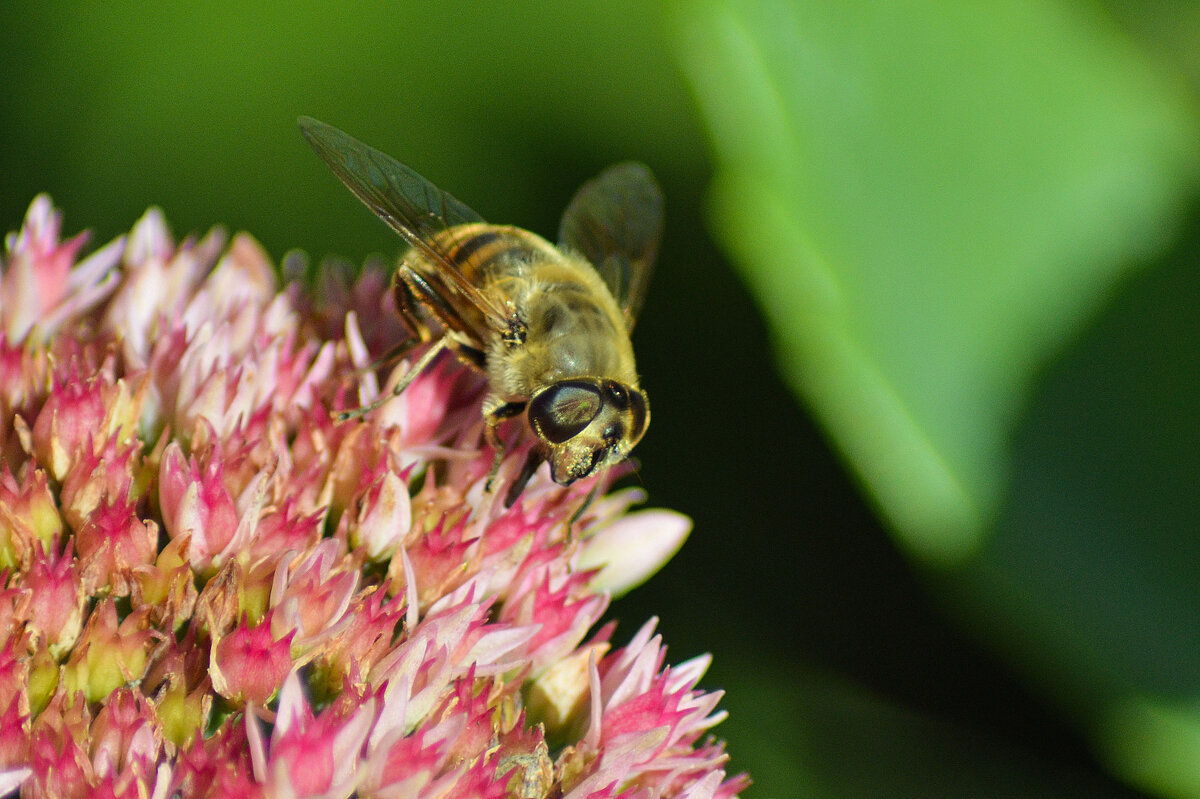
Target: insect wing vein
<point>615,221</point>
<point>423,215</point>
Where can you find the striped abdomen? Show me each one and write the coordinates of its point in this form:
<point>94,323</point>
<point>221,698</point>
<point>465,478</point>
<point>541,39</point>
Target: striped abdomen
<point>480,253</point>
<point>483,252</point>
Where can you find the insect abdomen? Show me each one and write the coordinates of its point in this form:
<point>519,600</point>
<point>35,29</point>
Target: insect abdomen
<point>477,253</point>
<point>483,252</point>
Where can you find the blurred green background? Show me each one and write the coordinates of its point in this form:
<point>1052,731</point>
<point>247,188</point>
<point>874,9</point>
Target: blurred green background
<point>922,342</point>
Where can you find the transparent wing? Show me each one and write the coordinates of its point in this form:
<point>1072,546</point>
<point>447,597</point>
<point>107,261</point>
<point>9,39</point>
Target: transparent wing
<point>423,215</point>
<point>615,220</point>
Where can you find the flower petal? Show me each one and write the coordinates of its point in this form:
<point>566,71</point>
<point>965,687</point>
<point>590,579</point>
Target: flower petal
<point>631,549</point>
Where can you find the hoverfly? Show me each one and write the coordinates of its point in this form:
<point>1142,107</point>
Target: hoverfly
<point>548,325</point>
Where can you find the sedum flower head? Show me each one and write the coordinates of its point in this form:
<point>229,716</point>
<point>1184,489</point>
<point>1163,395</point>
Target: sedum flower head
<point>213,588</point>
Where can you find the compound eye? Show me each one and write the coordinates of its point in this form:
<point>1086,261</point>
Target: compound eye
<point>564,409</point>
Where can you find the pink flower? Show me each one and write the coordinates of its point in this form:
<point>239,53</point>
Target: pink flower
<point>213,588</point>
<point>29,516</point>
<point>310,596</point>
<point>312,755</point>
<point>113,541</point>
<point>166,587</point>
<point>58,757</point>
<point>125,736</point>
<point>645,722</point>
<point>109,653</point>
<point>42,286</point>
<point>371,622</point>
<point>14,707</point>
<point>628,550</point>
<point>180,688</point>
<point>249,664</point>
<point>55,618</point>
<point>556,603</point>
<point>196,503</point>
<point>384,514</point>
<point>217,766</point>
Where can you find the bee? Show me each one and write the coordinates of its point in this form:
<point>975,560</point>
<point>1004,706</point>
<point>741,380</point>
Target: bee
<point>547,325</point>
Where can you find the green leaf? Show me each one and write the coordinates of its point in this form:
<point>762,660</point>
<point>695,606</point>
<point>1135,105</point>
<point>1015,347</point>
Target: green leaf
<point>1091,576</point>
<point>942,208</point>
<point>929,199</point>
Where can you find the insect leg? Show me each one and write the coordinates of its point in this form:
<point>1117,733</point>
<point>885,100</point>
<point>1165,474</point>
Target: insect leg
<point>409,305</point>
<point>422,298</point>
<point>425,320</point>
<point>393,355</point>
<point>414,370</point>
<point>578,514</point>
<point>532,461</point>
<point>492,420</point>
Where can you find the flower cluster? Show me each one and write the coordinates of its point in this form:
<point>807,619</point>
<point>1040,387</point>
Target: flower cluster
<point>209,586</point>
